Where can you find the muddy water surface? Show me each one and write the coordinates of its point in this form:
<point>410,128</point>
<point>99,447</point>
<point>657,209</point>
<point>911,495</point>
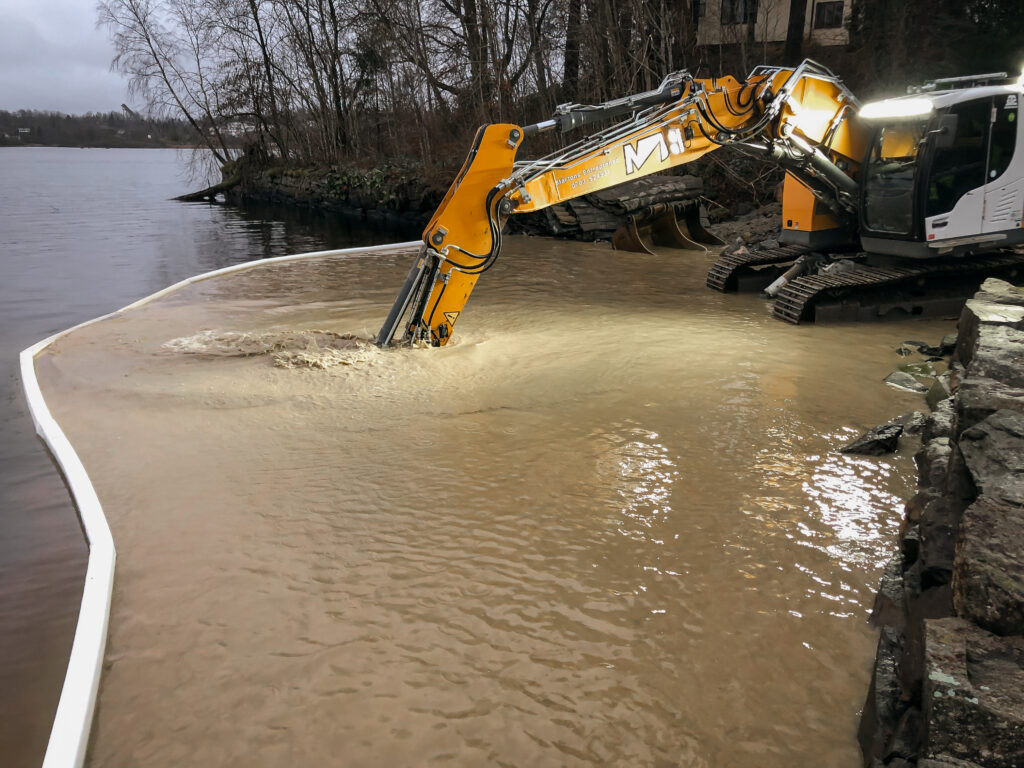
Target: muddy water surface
<point>608,525</point>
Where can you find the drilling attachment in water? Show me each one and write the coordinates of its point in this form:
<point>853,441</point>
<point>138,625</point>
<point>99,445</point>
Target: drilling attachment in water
<point>415,292</point>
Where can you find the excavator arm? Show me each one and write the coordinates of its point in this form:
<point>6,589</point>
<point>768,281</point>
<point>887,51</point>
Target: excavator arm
<point>800,118</point>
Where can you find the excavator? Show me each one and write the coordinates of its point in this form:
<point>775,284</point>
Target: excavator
<point>884,196</point>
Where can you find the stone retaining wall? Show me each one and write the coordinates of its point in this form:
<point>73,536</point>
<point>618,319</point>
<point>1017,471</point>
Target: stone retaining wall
<point>948,682</point>
<point>383,196</point>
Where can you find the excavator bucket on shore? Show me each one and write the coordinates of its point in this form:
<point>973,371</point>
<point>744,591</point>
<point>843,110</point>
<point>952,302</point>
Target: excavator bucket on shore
<point>664,225</point>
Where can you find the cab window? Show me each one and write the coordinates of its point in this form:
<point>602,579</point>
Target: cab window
<point>1004,136</point>
<point>958,169</point>
<point>889,189</point>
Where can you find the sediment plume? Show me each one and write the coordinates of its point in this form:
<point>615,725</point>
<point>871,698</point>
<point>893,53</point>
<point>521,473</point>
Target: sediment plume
<point>287,349</point>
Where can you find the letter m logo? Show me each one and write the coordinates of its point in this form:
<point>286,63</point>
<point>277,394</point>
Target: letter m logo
<point>637,155</point>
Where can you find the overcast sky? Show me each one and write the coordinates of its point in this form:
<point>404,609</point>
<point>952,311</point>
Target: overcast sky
<point>52,57</point>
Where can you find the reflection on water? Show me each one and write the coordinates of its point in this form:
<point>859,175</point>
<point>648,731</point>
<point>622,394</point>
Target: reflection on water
<point>608,524</point>
<point>643,473</point>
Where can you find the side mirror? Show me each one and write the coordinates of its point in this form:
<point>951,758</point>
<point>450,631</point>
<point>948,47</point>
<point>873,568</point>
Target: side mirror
<point>944,131</point>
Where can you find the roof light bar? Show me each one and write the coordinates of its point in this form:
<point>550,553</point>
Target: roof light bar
<point>894,108</point>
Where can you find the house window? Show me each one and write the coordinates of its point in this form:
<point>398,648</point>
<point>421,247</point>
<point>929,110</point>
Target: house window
<point>828,15</point>
<point>739,11</point>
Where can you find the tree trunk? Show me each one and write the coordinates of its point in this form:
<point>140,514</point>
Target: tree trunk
<point>794,52</point>
<point>571,66</point>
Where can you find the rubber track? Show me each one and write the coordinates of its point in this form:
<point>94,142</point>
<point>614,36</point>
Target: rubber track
<point>797,298</point>
<point>723,273</point>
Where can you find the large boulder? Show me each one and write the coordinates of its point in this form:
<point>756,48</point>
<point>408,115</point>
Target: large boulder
<point>981,397</point>
<point>996,303</point>
<point>999,354</point>
<point>994,379</point>
<point>960,487</point>
<point>939,391</point>
<point>890,607</point>
<point>916,504</point>
<point>993,451</point>
<point>973,694</point>
<point>988,570</point>
<point>922,602</point>
<point>912,423</point>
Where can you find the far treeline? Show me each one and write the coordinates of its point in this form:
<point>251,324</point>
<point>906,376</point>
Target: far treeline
<point>95,129</point>
<point>368,82</point>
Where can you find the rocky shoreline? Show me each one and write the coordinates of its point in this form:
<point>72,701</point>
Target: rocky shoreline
<point>383,196</point>
<point>947,688</point>
<point>404,196</point>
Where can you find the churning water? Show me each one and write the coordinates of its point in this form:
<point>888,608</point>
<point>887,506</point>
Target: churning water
<point>608,525</point>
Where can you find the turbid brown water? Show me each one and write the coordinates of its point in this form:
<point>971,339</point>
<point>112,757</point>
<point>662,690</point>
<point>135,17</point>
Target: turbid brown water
<point>608,525</point>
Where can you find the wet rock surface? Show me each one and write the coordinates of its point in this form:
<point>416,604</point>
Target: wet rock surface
<point>913,423</point>
<point>988,572</point>
<point>998,303</point>
<point>906,381</point>
<point>973,694</point>
<point>880,440</point>
<point>994,454</point>
<point>948,684</point>
<point>751,226</point>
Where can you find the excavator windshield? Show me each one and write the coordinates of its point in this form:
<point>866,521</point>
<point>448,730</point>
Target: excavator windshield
<point>889,182</point>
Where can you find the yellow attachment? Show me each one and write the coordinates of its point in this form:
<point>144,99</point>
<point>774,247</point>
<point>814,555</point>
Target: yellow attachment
<point>462,221</point>
<point>821,111</point>
<point>801,211</point>
<point>446,302</point>
<point>461,229</point>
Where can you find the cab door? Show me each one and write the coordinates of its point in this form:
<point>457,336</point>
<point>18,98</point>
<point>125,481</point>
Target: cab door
<point>1004,187</point>
<point>954,197</point>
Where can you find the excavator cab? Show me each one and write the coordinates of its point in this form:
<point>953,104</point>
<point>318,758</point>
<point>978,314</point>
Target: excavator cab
<point>944,173</point>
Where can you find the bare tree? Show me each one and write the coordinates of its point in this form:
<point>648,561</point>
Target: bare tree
<point>162,48</point>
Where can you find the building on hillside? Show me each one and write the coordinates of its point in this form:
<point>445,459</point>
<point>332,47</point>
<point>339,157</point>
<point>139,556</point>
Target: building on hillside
<point>731,22</point>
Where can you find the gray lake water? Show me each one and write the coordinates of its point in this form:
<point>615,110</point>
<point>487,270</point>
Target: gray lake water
<point>84,232</point>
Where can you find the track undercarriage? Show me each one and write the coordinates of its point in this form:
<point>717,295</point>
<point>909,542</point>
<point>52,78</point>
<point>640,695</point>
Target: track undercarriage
<point>864,287</point>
